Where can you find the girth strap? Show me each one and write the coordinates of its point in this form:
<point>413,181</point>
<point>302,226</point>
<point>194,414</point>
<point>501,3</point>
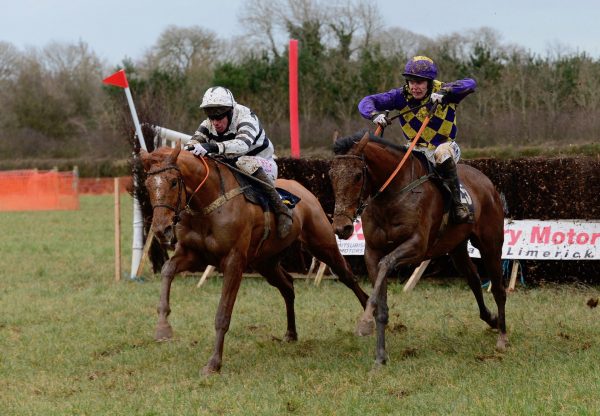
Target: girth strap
<point>223,199</point>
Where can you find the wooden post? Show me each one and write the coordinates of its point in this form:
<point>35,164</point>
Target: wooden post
<point>208,271</point>
<point>513,276</point>
<point>320,273</point>
<point>117,231</point>
<point>414,278</point>
<point>145,252</point>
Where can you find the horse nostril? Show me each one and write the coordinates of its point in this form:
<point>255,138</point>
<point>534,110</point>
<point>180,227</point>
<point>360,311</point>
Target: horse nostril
<point>347,230</point>
<point>168,233</point>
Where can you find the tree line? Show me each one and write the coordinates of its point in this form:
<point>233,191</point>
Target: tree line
<point>54,105</point>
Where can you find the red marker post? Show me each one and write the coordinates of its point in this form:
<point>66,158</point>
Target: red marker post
<point>293,88</point>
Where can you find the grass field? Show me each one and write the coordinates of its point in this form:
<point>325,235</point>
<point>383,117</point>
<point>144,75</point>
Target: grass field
<point>74,342</point>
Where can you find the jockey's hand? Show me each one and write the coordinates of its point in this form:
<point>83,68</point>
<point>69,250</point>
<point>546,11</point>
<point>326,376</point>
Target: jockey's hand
<point>381,120</point>
<point>439,97</point>
<point>200,149</point>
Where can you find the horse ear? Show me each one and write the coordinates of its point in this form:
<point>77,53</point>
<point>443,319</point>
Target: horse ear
<point>172,158</point>
<point>336,134</point>
<point>363,142</point>
<point>145,158</point>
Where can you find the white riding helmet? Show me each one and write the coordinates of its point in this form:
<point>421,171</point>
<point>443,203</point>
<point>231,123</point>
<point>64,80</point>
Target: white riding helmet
<point>217,97</point>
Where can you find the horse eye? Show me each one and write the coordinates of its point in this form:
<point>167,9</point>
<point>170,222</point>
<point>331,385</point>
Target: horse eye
<point>173,183</point>
<point>357,177</point>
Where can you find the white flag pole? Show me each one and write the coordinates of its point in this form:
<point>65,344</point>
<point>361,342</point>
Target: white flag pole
<point>137,247</point>
<point>119,79</point>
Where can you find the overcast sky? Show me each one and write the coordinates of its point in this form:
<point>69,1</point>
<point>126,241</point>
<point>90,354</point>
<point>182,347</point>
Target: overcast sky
<point>115,29</point>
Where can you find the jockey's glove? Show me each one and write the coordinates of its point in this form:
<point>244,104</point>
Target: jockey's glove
<point>381,120</point>
<point>439,97</point>
<point>200,149</point>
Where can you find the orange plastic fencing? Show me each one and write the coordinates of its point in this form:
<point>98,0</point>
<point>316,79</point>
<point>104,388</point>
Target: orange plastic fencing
<point>32,190</point>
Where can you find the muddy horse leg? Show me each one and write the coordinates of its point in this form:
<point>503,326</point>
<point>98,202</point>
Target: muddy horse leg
<point>281,279</point>
<point>232,266</point>
<point>366,323</point>
<point>492,261</point>
<point>176,264</point>
<point>331,256</point>
<point>407,253</point>
<point>381,321</point>
<point>465,266</point>
<point>163,328</point>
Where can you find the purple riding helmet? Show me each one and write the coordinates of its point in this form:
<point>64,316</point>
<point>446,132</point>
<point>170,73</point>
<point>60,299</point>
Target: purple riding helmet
<point>420,67</point>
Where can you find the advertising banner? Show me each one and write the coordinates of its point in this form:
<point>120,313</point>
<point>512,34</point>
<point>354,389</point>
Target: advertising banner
<point>524,240</point>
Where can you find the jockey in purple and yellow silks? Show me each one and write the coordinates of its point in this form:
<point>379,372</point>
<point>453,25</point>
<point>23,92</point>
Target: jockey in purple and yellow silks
<point>437,140</point>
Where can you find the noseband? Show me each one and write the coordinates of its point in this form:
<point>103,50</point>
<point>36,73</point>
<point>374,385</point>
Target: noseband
<point>180,189</point>
<point>361,203</point>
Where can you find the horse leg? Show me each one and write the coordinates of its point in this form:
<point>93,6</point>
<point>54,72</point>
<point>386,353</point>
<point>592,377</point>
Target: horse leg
<point>466,267</point>
<point>232,266</point>
<point>278,277</point>
<point>331,256</point>
<point>381,320</point>
<point>407,253</point>
<point>492,261</point>
<point>179,262</point>
<point>366,324</point>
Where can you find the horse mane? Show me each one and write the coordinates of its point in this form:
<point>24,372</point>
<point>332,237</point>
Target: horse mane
<point>343,145</point>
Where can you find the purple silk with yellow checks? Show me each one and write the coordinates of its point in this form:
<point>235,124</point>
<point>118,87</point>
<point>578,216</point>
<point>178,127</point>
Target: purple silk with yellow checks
<point>441,127</point>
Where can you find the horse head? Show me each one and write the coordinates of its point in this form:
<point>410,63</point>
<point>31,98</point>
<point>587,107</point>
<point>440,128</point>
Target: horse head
<point>166,191</point>
<point>348,179</point>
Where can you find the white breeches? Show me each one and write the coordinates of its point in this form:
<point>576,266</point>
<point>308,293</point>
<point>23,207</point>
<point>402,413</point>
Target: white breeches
<point>250,164</point>
<point>441,153</point>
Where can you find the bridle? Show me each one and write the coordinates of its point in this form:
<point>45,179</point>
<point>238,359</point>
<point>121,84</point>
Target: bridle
<point>180,189</point>
<point>362,199</point>
<point>361,203</point>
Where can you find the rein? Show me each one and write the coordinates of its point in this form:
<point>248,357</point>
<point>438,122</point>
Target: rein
<point>362,202</point>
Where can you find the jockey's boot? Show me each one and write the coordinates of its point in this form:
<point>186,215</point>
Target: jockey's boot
<point>459,211</point>
<point>283,213</point>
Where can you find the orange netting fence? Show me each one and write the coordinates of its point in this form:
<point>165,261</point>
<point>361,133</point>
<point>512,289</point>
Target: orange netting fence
<point>33,190</point>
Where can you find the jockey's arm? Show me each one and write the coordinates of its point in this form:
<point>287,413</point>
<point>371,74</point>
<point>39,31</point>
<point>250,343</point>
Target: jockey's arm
<point>457,90</point>
<point>376,103</point>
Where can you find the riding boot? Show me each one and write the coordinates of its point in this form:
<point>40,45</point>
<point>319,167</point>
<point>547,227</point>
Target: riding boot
<point>283,213</point>
<point>460,213</point>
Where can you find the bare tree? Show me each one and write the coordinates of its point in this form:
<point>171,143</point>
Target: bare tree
<point>184,48</point>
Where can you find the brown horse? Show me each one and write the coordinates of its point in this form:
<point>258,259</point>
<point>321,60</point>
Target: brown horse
<point>402,224</point>
<point>214,224</point>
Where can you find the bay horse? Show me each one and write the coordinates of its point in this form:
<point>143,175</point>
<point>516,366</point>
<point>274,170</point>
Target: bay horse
<point>402,225</point>
<point>199,211</point>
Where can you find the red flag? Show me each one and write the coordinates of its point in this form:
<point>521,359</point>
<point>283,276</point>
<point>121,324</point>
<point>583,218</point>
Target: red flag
<point>117,79</point>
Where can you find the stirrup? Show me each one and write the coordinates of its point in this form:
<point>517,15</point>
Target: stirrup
<point>461,214</point>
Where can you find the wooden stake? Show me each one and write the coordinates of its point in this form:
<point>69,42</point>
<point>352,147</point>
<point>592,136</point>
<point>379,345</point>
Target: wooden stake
<point>208,271</point>
<point>320,273</point>
<point>414,278</point>
<point>513,276</point>
<point>145,252</point>
<point>117,231</point>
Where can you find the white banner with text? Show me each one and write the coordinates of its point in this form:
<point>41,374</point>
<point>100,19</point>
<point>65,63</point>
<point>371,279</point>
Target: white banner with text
<point>524,240</point>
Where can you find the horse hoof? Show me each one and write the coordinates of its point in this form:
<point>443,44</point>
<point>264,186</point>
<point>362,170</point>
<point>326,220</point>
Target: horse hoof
<point>208,371</point>
<point>502,343</point>
<point>290,337</point>
<point>365,327</point>
<point>163,333</point>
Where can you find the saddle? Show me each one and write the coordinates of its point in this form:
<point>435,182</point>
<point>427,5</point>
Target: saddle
<point>253,193</point>
<point>436,178</point>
